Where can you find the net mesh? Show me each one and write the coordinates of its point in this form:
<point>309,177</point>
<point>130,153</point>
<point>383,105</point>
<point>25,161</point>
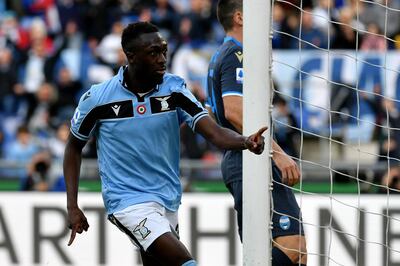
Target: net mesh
<point>336,112</point>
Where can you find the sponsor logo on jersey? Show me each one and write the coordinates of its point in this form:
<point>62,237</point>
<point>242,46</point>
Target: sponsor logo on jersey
<point>141,109</point>
<point>164,103</point>
<point>116,108</point>
<point>239,75</point>
<point>239,56</point>
<point>142,229</point>
<point>284,222</point>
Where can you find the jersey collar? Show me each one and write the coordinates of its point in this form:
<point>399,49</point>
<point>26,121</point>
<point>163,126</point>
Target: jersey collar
<point>231,39</point>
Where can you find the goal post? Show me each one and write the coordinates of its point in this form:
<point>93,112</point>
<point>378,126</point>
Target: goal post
<point>256,102</point>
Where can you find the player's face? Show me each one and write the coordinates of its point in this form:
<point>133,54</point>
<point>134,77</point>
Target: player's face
<point>151,58</point>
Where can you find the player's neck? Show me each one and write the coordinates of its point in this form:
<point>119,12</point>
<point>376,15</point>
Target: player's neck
<point>236,33</point>
<point>134,83</point>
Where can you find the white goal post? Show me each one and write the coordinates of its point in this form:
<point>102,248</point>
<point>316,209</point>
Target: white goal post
<point>256,99</point>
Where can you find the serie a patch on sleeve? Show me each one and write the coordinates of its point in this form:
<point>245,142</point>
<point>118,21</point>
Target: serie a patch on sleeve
<point>239,75</point>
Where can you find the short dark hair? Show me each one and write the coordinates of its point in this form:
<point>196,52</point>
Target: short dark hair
<point>133,31</point>
<point>23,129</point>
<point>226,10</point>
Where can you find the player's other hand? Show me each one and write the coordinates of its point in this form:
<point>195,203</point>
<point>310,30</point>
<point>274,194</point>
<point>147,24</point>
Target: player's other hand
<point>255,142</point>
<point>288,167</point>
<point>77,222</point>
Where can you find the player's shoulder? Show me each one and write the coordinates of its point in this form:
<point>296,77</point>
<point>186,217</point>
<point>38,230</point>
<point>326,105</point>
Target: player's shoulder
<point>99,92</point>
<point>230,47</point>
<point>230,53</point>
<point>173,82</point>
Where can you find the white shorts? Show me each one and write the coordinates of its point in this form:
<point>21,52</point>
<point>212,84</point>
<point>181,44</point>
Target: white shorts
<point>144,223</point>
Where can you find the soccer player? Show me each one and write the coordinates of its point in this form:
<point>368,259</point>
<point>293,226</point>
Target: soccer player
<point>225,77</point>
<point>135,117</point>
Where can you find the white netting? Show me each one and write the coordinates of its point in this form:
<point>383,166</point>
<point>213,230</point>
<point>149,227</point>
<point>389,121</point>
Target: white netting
<point>337,113</point>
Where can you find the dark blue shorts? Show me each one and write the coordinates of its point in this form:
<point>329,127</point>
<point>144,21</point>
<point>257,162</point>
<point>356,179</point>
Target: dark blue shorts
<point>286,215</point>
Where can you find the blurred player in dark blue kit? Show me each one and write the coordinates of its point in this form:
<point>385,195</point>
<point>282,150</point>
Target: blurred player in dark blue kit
<point>225,78</point>
<point>135,117</point>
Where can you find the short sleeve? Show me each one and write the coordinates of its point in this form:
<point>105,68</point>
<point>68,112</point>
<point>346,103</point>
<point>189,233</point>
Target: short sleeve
<point>84,119</point>
<point>190,110</point>
<point>232,73</point>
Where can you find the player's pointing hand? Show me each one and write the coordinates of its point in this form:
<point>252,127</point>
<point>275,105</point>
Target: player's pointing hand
<point>77,222</point>
<point>255,142</point>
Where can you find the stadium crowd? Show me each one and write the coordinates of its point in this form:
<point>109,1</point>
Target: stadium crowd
<point>52,51</point>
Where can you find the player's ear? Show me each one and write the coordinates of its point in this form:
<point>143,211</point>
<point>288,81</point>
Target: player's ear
<point>238,18</point>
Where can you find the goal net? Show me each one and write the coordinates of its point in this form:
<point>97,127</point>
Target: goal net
<point>335,70</point>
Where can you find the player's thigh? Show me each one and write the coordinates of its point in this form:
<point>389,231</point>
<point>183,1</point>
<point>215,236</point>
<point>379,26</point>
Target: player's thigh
<point>294,246</point>
<point>168,249</point>
<point>144,223</point>
<point>149,260</point>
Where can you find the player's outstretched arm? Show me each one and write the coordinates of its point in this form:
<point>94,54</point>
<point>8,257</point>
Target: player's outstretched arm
<point>77,221</point>
<point>227,139</point>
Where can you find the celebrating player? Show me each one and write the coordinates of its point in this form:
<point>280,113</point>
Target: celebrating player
<point>135,117</point>
<point>225,77</point>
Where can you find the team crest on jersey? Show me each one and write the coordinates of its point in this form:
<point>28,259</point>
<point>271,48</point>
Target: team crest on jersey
<point>284,222</point>
<point>141,109</point>
<point>142,229</point>
<point>164,103</point>
<point>239,75</point>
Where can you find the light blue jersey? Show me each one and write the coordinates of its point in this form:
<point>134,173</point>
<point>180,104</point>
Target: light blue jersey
<point>137,139</point>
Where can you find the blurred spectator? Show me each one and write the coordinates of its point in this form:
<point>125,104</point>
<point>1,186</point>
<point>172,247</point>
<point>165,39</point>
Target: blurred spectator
<point>323,14</point>
<point>195,25</point>
<point>72,53</point>
<point>34,68</point>
<point>311,37</point>
<point>278,18</point>
<point>110,45</point>
<point>8,79</point>
<point>40,117</point>
<point>68,10</point>
<point>56,144</point>
<point>39,176</point>
<point>93,70</point>
<point>38,35</point>
<point>11,31</point>
<point>191,62</point>
<point>390,138</point>
<point>385,14</point>
<point>373,39</point>
<point>22,149</point>
<point>121,61</point>
<point>391,180</point>
<point>164,17</point>
<point>345,31</point>
<point>182,6</point>
<point>95,21</point>
<point>390,145</point>
<point>289,26</point>
<point>67,90</point>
